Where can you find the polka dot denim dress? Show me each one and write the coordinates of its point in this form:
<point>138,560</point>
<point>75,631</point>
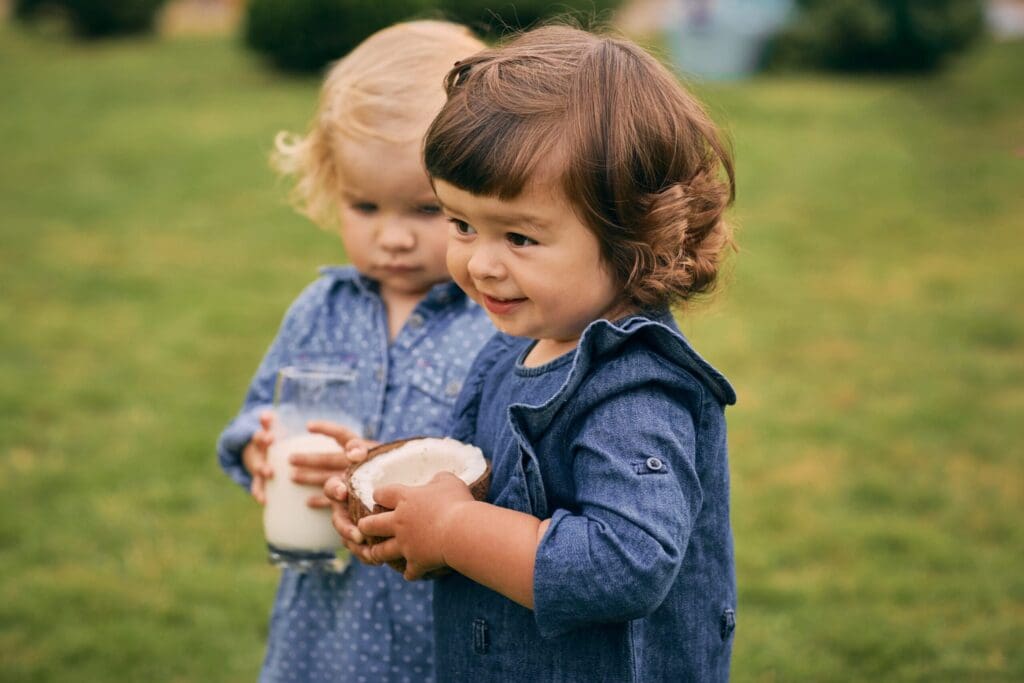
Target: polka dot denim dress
<point>367,624</point>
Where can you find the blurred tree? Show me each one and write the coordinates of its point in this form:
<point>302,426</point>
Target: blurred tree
<point>95,18</point>
<point>877,35</point>
<point>495,15</point>
<point>304,35</point>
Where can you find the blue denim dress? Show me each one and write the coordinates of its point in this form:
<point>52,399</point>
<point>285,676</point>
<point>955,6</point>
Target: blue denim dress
<point>622,444</point>
<point>367,623</point>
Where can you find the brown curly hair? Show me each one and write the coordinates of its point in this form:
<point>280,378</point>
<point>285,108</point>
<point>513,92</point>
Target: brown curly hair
<point>644,166</point>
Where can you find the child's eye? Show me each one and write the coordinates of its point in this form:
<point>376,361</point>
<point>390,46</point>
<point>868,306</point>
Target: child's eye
<point>518,240</point>
<point>462,227</point>
<point>428,209</point>
<point>363,207</point>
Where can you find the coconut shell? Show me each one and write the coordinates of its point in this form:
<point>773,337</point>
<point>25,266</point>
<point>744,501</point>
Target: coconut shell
<point>357,510</point>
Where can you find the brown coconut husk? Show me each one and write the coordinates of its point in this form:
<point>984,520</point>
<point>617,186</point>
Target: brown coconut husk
<point>357,510</point>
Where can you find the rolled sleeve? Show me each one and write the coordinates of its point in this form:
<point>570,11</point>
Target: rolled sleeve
<point>616,557</point>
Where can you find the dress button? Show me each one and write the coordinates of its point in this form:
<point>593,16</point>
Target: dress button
<point>368,432</point>
<point>453,389</point>
<point>379,374</point>
<point>654,464</point>
<point>415,321</point>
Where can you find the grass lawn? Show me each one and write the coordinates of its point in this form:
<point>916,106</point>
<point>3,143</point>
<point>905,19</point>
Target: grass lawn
<point>873,326</point>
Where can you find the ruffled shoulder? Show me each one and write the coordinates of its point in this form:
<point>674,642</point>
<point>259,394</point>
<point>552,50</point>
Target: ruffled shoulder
<point>636,339</point>
<point>660,334</point>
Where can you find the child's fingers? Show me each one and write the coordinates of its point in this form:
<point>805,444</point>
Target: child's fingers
<point>415,572</point>
<point>361,551</point>
<point>356,452</point>
<point>386,551</point>
<point>336,490</point>
<point>318,502</point>
<point>264,470</point>
<point>381,524</point>
<point>338,432</point>
<point>263,438</point>
<point>308,477</point>
<point>320,461</point>
<point>267,420</point>
<point>348,531</point>
<point>258,490</point>
<point>390,496</point>
<point>358,448</point>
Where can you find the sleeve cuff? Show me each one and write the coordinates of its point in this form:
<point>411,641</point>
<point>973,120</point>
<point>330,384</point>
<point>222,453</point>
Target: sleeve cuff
<point>555,609</point>
<point>586,573</point>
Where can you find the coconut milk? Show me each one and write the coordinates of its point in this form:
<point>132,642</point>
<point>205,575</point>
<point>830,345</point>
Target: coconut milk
<point>288,522</point>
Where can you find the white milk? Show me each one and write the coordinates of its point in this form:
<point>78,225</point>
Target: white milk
<point>288,522</point>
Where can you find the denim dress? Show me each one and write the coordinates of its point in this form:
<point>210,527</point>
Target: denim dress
<point>367,623</point>
<point>622,445</point>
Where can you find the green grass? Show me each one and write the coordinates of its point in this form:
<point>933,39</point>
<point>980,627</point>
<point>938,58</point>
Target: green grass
<point>873,325</point>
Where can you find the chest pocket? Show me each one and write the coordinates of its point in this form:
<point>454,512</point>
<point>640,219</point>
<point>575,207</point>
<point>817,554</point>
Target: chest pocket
<point>345,361</point>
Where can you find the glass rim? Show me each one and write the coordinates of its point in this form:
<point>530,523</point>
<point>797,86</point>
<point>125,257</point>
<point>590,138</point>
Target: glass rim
<point>324,371</point>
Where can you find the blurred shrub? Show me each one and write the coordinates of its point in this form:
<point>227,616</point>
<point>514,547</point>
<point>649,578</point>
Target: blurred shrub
<point>494,15</point>
<point>877,35</point>
<point>96,18</point>
<point>304,35</point>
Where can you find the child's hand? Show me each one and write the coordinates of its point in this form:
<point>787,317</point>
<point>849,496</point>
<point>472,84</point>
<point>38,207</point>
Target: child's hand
<point>336,491</point>
<point>418,522</point>
<point>315,469</point>
<point>357,449</point>
<point>254,457</point>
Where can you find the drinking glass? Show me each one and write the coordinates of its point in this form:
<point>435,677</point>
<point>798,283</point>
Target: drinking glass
<point>298,536</point>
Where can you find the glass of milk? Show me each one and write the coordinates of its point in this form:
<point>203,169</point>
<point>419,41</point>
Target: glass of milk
<point>298,536</point>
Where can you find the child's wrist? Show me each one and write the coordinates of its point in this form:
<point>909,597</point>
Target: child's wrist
<point>451,529</point>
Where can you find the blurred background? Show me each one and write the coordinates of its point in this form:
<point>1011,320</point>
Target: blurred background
<point>872,322</point>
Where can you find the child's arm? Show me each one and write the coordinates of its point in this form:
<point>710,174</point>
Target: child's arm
<point>611,558</point>
<point>441,525</point>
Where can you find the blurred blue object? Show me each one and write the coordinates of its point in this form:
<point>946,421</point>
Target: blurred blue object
<point>722,39</point>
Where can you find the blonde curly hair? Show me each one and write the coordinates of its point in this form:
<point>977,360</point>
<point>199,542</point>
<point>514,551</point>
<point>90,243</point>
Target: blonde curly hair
<point>642,163</point>
<point>387,89</point>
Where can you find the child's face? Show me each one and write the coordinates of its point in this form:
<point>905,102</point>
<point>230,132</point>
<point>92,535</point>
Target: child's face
<point>529,261</point>
<point>391,223</point>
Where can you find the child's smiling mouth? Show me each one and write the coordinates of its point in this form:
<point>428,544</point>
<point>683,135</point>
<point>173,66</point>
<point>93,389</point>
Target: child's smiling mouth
<point>500,306</point>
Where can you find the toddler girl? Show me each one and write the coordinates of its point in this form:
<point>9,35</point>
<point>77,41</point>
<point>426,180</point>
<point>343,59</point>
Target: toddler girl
<point>586,191</point>
<point>394,318</point>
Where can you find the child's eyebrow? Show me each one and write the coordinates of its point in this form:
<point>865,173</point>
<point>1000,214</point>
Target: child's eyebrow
<point>516,219</point>
<point>510,220</point>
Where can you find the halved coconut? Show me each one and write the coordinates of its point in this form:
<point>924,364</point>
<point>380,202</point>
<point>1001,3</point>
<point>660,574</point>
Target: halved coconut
<point>413,462</point>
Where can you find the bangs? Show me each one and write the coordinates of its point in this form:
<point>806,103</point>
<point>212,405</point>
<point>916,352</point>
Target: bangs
<point>492,155</point>
<point>486,145</point>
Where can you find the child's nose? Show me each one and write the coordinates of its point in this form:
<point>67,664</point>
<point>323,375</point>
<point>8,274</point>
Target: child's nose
<point>393,236</point>
<point>485,264</point>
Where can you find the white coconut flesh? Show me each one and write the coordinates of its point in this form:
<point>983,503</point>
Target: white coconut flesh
<point>415,463</point>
